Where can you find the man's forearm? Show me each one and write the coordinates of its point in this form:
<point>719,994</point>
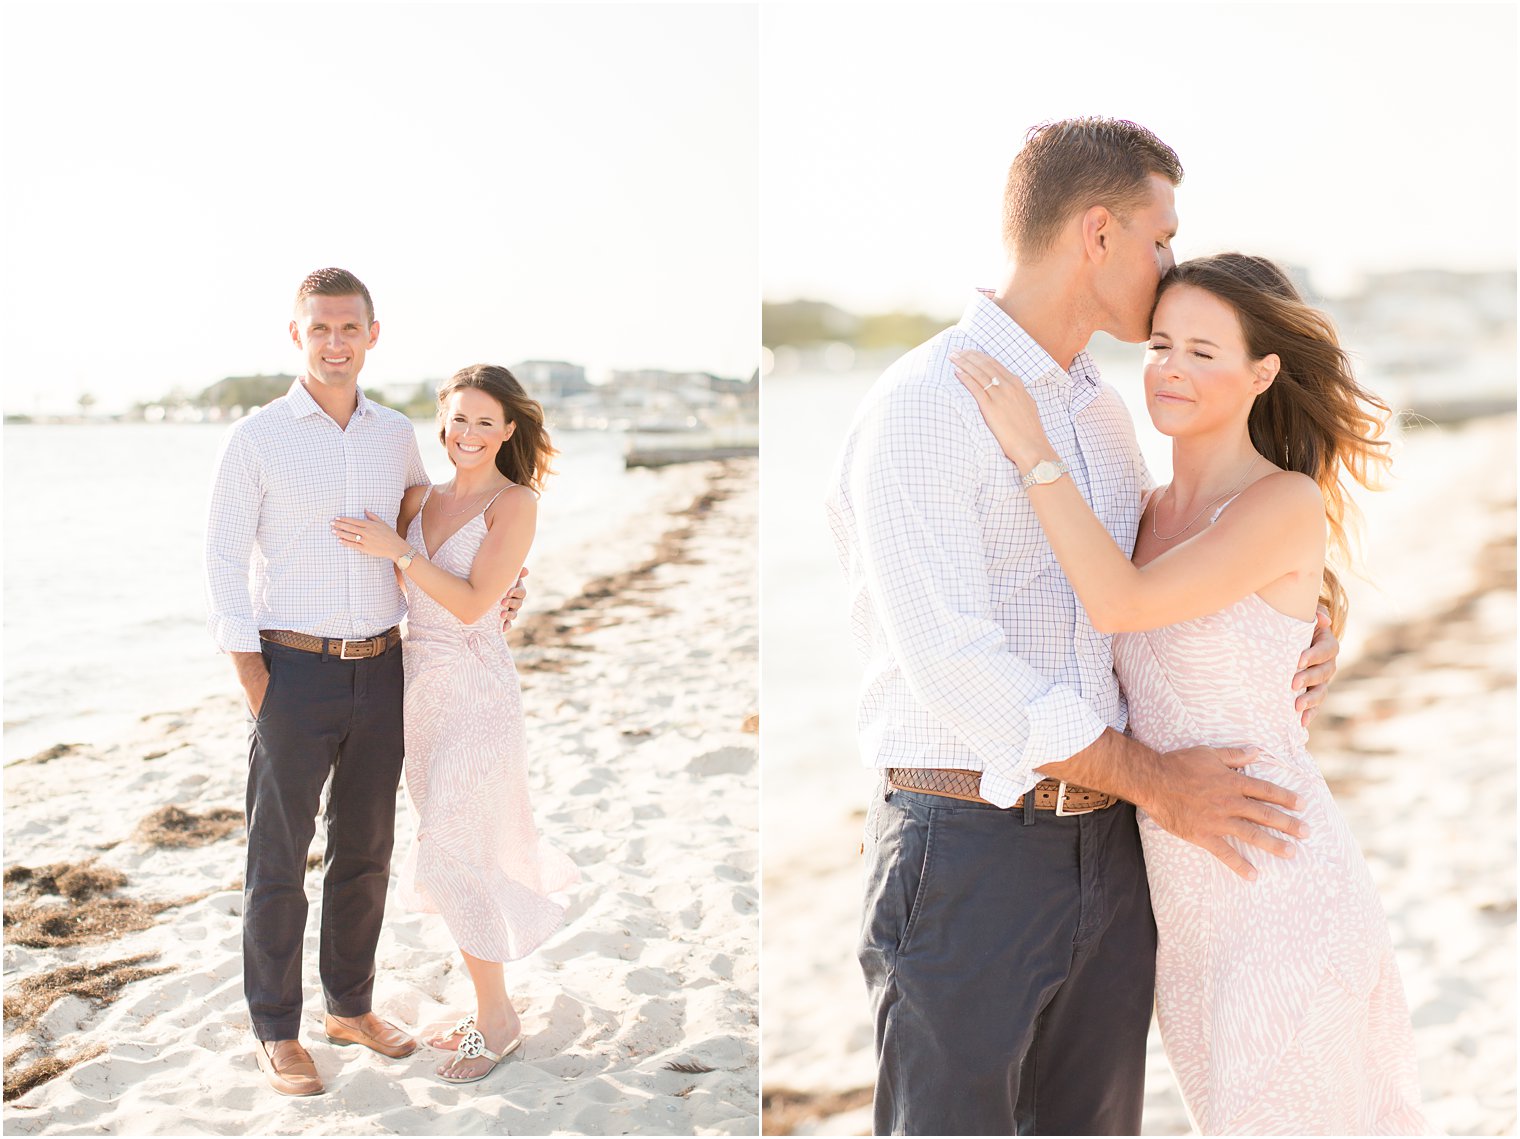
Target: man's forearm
<point>250,668</point>
<point>1113,763</point>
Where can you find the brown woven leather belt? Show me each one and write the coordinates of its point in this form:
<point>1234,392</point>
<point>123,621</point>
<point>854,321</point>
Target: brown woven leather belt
<point>327,646</point>
<point>955,783</point>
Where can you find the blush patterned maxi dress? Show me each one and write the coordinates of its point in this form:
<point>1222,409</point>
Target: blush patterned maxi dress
<point>476,859</point>
<point>1279,1000</point>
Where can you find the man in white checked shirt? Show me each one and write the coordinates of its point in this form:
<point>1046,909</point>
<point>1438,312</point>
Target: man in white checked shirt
<point>311,628</point>
<point>1007,941</point>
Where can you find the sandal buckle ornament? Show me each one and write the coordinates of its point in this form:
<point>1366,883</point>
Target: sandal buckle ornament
<point>473,1044</point>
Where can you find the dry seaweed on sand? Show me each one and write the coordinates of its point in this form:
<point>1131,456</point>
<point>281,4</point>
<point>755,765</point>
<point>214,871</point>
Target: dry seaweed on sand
<point>692,1068</point>
<point>591,609</point>
<point>87,913</point>
<point>175,826</point>
<point>19,1081</point>
<point>784,1110</point>
<point>77,881</point>
<point>48,754</point>
<point>42,926</point>
<point>27,999</point>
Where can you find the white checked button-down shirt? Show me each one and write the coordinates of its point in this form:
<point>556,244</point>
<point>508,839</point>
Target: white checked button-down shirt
<point>978,655</point>
<point>284,473</point>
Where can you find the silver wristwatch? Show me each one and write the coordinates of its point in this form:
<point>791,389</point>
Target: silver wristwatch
<point>405,560</point>
<point>1044,471</point>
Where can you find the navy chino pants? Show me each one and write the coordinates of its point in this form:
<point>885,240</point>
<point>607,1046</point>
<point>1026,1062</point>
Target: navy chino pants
<point>320,715</point>
<point>1010,957</point>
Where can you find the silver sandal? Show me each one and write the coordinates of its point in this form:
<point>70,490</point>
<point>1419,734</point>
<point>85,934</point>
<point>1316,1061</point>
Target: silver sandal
<point>474,1045</point>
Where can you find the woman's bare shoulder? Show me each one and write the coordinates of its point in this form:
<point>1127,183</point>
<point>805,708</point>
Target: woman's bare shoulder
<point>1287,499</point>
<point>515,503</point>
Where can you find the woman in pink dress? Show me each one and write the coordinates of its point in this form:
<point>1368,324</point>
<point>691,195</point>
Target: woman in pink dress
<point>476,859</point>
<point>1277,994</point>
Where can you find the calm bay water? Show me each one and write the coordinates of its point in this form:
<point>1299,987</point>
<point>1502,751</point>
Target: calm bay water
<point>104,524</point>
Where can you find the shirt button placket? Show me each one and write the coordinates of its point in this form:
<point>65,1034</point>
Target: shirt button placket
<point>353,510</point>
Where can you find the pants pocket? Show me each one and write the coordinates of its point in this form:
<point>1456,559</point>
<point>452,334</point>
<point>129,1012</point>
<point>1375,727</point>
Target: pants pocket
<point>258,717</point>
<point>897,872</point>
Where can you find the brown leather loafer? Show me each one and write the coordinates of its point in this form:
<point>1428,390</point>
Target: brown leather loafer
<point>288,1067</point>
<point>372,1032</point>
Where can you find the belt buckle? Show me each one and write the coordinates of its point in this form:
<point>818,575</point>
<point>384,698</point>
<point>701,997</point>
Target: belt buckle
<point>1061,811</point>
<point>367,642</point>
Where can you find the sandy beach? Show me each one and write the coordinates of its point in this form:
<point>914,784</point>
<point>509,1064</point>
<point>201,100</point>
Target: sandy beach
<point>1418,742</point>
<point>124,1011</point>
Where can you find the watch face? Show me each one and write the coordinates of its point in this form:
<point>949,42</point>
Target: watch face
<point>1046,471</point>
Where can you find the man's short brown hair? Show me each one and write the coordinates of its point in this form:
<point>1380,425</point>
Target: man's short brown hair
<point>1068,166</point>
<point>335,283</point>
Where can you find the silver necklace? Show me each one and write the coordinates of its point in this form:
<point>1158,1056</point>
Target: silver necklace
<point>462,509</point>
<point>1167,538</point>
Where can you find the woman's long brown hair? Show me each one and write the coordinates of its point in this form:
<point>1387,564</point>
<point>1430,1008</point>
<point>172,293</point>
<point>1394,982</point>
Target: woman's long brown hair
<point>1314,418</point>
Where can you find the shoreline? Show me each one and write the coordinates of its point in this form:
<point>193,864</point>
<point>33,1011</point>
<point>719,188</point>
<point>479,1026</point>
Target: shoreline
<point>641,1012</point>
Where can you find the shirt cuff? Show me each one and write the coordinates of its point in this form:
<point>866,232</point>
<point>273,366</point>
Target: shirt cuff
<point>233,635</point>
<point>1061,724</point>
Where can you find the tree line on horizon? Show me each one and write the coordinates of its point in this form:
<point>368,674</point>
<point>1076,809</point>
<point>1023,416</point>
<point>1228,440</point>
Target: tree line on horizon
<point>256,391</point>
<point>808,323</point>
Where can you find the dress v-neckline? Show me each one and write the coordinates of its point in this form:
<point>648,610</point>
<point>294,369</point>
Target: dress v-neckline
<point>422,527</point>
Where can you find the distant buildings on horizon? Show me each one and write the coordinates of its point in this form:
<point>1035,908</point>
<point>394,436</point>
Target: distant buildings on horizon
<point>645,398</point>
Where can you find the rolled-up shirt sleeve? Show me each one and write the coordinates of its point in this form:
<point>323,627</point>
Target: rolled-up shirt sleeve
<point>231,526</point>
<point>913,485</point>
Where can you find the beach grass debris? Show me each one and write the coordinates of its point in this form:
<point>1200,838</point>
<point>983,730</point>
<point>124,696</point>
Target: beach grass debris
<point>19,1081</point>
<point>594,607</point>
<point>688,1067</point>
<point>74,903</point>
<point>783,1110</point>
<point>100,983</point>
<point>48,754</point>
<point>42,926</point>
<point>175,826</point>
<point>77,881</point>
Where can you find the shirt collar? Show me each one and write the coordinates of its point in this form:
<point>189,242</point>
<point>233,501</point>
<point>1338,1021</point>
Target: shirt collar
<point>1002,338</point>
<point>302,405</point>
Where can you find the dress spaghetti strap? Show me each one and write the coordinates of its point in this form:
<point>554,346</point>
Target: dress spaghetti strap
<point>1213,518</point>
<point>497,495</point>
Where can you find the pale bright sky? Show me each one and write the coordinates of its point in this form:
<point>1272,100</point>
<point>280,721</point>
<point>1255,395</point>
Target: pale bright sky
<point>1341,137</point>
<point>583,181</point>
<point>528,181</point>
